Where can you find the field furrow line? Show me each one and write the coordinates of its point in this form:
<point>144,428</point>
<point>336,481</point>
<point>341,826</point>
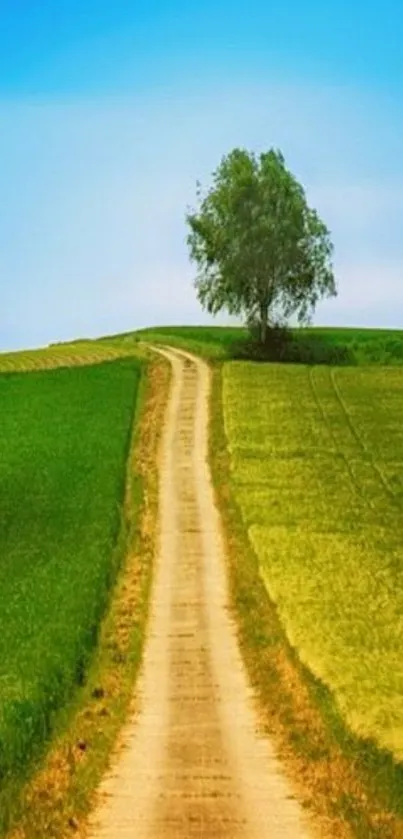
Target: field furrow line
<point>358,437</point>
<point>353,480</point>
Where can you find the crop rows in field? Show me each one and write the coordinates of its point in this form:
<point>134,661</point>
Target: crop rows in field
<point>65,355</point>
<point>63,449</point>
<point>317,470</point>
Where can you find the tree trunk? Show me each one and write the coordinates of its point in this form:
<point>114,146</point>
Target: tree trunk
<point>264,313</point>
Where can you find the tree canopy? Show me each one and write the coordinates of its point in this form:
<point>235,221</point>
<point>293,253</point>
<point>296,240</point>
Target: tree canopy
<point>262,253</point>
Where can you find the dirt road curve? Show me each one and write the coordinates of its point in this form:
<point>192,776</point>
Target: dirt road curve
<point>194,765</point>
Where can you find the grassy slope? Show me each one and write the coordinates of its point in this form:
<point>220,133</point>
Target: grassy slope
<point>317,470</point>
<point>60,355</point>
<point>57,798</point>
<point>354,788</point>
<point>210,342</point>
<point>331,779</point>
<point>64,443</point>
<point>314,345</point>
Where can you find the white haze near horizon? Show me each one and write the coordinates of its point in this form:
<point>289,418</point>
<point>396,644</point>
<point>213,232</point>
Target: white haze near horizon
<point>94,192</point>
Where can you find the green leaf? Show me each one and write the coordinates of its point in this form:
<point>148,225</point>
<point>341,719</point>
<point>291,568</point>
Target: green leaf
<point>261,252</point>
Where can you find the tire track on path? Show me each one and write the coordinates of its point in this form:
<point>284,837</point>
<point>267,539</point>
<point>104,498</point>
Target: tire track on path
<point>194,764</point>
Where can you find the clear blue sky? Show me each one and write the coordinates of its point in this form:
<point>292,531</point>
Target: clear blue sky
<point>111,110</point>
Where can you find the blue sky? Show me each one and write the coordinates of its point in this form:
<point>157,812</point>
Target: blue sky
<point>110,112</point>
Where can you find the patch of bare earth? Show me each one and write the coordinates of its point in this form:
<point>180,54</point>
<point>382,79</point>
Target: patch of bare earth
<point>194,762</point>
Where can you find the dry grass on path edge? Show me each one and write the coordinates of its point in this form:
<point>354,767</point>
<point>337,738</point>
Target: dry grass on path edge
<point>342,781</point>
<point>56,801</point>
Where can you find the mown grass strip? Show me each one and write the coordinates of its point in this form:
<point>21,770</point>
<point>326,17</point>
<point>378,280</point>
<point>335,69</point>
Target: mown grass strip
<point>352,787</point>
<point>57,799</point>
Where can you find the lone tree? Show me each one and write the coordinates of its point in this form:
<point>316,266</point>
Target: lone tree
<point>261,251</point>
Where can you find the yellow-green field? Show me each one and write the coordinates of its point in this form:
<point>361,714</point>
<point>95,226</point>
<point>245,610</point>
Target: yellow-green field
<point>61,355</point>
<point>317,470</point>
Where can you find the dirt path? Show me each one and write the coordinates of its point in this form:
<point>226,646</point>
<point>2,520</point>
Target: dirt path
<point>194,764</point>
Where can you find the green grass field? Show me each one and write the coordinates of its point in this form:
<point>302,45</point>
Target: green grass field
<point>316,452</point>
<point>212,342</point>
<point>63,448</point>
<point>317,471</point>
<point>311,346</point>
<point>60,355</point>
